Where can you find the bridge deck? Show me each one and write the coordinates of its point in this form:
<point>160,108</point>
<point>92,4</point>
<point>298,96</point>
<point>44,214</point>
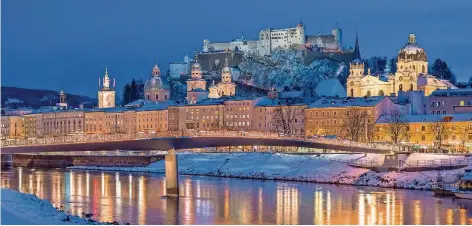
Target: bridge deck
<point>168,143</point>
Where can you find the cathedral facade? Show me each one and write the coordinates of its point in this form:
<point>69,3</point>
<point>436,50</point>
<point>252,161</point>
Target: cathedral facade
<point>412,74</point>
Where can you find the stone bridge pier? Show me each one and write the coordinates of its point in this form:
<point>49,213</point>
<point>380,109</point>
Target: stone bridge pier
<point>172,174</point>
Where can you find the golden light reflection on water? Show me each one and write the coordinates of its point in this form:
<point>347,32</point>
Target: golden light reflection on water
<point>136,198</point>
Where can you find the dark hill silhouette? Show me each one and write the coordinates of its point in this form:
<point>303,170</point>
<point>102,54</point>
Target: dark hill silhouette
<point>37,97</point>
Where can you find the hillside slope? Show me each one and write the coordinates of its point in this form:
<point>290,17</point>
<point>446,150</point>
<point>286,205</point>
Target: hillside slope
<point>38,97</point>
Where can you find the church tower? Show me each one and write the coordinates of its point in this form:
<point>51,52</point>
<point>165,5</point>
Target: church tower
<point>411,64</point>
<point>226,87</point>
<point>356,73</point>
<point>106,92</point>
<point>196,85</point>
<point>62,99</point>
<point>357,50</point>
<point>157,88</point>
<point>213,91</point>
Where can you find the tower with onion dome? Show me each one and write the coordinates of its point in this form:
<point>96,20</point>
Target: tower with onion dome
<point>196,85</point>
<point>157,88</point>
<point>226,87</point>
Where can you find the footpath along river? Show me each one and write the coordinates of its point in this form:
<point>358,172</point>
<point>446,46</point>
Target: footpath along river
<point>137,198</point>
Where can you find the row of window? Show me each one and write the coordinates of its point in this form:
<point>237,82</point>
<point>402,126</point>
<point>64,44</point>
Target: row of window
<point>237,124</point>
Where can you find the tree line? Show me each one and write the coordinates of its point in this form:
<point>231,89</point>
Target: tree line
<point>133,91</point>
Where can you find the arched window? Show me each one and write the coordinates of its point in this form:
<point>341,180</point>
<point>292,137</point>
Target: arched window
<point>414,68</point>
<point>157,97</point>
<point>148,97</point>
<point>381,93</point>
<point>368,93</point>
<point>400,87</point>
<point>411,87</point>
<point>423,69</point>
<point>352,92</point>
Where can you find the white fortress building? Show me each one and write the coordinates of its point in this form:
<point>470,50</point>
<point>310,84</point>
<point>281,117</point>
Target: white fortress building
<point>271,40</point>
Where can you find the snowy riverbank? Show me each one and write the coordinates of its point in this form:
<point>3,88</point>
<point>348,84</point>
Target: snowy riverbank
<point>21,208</point>
<point>291,167</point>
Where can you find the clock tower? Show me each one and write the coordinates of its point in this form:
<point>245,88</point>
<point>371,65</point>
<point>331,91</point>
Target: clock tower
<point>106,92</point>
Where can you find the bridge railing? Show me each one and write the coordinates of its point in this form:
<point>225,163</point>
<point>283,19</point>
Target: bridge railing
<point>436,162</point>
<point>87,138</point>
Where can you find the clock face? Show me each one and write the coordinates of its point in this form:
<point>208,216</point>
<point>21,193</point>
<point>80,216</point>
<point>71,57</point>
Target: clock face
<point>401,78</point>
<point>352,83</point>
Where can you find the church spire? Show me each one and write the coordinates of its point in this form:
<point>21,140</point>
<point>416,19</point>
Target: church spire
<point>196,57</point>
<point>357,51</point>
<point>106,71</point>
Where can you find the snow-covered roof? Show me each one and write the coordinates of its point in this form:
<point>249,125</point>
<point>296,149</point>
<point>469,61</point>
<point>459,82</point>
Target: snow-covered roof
<point>430,118</point>
<point>153,107</point>
<point>330,88</point>
<point>138,102</point>
<point>266,101</point>
<point>347,102</point>
<point>290,94</point>
<point>452,92</point>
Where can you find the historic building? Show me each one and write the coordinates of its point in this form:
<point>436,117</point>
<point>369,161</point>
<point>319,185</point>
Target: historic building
<point>226,87</point>
<point>450,101</point>
<point>326,115</point>
<point>214,61</point>
<point>265,118</point>
<point>271,40</point>
<point>62,99</point>
<point>152,118</point>
<point>157,88</point>
<point>412,74</point>
<point>421,129</point>
<point>106,92</point>
<point>196,84</point>
<point>12,127</point>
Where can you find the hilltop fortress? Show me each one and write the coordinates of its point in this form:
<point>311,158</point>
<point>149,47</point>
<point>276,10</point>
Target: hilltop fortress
<point>271,40</point>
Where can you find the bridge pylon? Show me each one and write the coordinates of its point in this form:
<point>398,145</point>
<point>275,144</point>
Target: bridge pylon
<point>172,174</point>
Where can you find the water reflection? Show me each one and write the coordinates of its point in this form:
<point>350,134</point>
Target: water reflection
<point>137,198</point>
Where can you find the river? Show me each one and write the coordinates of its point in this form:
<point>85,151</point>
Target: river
<point>138,198</point>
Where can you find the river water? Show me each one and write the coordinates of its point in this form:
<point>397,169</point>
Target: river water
<point>137,198</point>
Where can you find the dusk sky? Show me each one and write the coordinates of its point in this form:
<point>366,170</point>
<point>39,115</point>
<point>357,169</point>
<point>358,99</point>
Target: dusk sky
<point>66,44</point>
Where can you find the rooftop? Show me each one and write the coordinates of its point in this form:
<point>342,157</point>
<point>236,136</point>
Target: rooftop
<point>347,102</point>
<point>452,92</point>
<point>430,118</point>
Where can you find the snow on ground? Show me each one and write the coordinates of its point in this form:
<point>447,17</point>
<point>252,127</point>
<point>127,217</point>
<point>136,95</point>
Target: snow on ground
<point>427,156</point>
<point>288,167</point>
<point>20,208</point>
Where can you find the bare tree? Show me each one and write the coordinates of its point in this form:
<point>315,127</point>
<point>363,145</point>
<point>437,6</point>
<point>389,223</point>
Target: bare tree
<point>284,118</point>
<point>440,130</point>
<point>370,132</point>
<point>354,123</point>
<point>397,126</point>
<point>463,133</point>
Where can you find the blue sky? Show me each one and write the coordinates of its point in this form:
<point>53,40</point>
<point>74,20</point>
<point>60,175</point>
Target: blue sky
<point>57,44</point>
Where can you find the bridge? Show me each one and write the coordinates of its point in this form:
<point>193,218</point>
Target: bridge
<point>181,140</point>
<point>184,140</point>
